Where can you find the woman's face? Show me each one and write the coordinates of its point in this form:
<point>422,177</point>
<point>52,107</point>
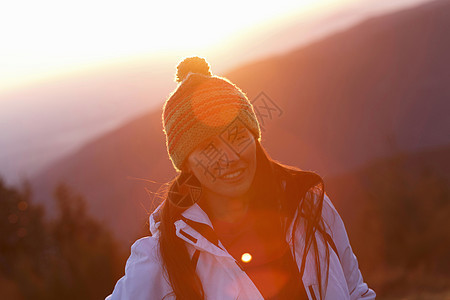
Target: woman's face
<point>226,164</point>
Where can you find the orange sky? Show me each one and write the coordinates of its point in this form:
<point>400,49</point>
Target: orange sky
<point>47,48</point>
<point>41,38</point>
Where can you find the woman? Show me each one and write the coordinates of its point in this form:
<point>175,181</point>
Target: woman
<point>234,223</point>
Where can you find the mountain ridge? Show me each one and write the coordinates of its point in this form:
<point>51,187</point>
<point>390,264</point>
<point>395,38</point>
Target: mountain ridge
<point>346,100</point>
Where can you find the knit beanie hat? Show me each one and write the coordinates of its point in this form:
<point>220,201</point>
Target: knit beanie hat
<point>201,107</point>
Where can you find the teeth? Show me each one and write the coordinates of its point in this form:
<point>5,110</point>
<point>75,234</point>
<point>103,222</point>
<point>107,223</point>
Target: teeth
<point>232,175</point>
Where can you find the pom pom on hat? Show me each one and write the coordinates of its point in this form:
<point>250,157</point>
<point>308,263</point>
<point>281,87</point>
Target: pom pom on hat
<point>192,65</point>
<point>202,106</point>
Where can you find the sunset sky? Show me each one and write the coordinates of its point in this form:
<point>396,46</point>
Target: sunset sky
<point>72,70</point>
<point>44,38</point>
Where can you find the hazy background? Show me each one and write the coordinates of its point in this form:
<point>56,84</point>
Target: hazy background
<point>361,90</point>
<point>71,72</point>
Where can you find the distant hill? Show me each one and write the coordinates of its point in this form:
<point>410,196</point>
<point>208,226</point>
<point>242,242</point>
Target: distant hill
<point>47,120</point>
<point>89,100</point>
<point>396,213</point>
<point>354,97</point>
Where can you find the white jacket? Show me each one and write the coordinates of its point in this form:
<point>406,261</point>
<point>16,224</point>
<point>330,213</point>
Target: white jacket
<point>221,276</point>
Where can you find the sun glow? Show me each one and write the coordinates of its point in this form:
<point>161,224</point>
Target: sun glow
<point>39,37</point>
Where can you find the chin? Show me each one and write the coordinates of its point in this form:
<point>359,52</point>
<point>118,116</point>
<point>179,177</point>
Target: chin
<point>237,190</point>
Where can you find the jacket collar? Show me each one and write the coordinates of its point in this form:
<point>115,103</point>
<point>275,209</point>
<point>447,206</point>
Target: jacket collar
<point>192,236</point>
<point>197,214</point>
<point>155,220</point>
<point>198,240</point>
<point>186,232</point>
<point>194,213</point>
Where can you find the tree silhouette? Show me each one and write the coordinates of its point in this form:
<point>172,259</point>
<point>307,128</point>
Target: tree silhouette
<point>87,252</point>
<point>70,257</point>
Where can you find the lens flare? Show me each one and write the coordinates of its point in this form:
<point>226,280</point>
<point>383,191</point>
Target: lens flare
<point>246,257</point>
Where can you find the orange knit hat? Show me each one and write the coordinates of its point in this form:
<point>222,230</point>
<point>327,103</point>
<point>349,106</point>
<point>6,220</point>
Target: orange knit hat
<point>201,107</point>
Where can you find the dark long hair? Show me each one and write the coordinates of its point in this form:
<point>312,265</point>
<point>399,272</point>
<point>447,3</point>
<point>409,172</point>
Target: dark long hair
<point>304,190</point>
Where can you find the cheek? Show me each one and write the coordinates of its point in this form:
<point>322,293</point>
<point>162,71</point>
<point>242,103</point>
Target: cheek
<point>207,176</point>
<point>204,175</point>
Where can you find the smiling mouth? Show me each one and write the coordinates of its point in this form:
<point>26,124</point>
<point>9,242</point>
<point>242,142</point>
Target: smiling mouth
<point>234,175</point>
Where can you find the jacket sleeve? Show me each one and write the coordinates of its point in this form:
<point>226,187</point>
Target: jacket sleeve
<point>144,278</point>
<point>357,287</point>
